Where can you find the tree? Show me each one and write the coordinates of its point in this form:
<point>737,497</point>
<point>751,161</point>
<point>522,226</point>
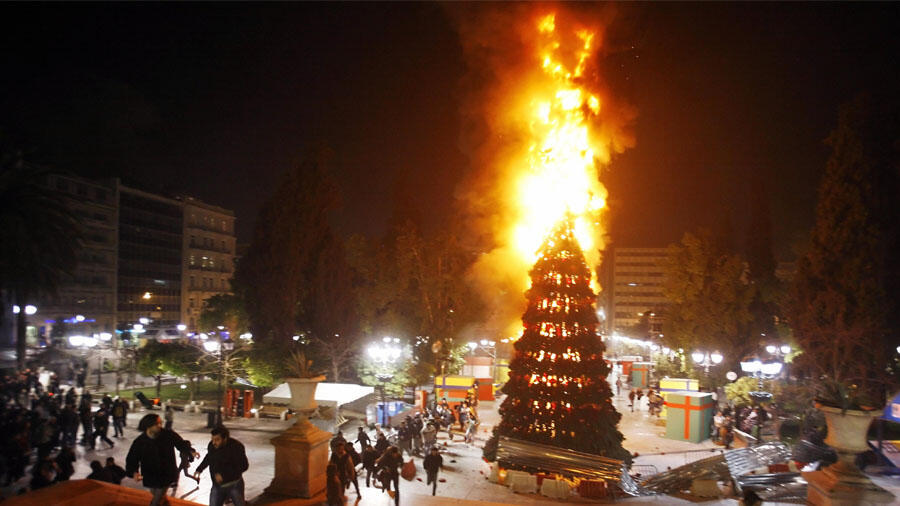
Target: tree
<point>416,287</point>
<point>710,298</point>
<point>227,310</point>
<point>41,238</point>
<point>152,360</point>
<point>844,309</point>
<point>557,393</point>
<point>331,310</point>
<point>273,277</point>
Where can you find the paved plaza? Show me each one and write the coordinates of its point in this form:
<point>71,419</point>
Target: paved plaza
<point>465,471</point>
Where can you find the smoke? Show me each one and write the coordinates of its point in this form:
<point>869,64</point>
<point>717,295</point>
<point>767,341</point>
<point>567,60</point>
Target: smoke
<point>501,47</point>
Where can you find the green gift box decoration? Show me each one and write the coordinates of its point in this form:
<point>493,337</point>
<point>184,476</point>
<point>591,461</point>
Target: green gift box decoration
<point>689,415</point>
<point>640,374</point>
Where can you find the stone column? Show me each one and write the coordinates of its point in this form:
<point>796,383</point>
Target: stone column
<point>842,483</point>
<point>301,454</point>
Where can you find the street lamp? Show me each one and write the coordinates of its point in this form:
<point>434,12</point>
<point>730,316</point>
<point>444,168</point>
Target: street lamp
<point>707,360</point>
<point>760,370</point>
<point>384,355</point>
<point>215,347</point>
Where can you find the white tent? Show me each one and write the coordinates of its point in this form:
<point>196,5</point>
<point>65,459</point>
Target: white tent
<point>327,394</point>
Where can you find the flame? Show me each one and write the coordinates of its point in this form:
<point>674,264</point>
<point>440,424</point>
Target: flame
<point>542,127</point>
<point>560,172</point>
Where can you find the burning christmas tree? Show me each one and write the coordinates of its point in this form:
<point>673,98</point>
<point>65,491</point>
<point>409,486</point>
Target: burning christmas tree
<point>557,393</point>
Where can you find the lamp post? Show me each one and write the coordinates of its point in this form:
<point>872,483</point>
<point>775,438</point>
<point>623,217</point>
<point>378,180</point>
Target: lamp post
<point>760,370</point>
<point>384,355</point>
<point>215,347</point>
<point>706,360</point>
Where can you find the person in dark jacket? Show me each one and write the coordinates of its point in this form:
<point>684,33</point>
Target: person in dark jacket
<point>363,439</point>
<point>433,463</point>
<point>227,461</point>
<point>153,452</point>
<point>381,444</point>
<point>99,473</point>
<point>42,475</point>
<point>87,428</point>
<point>346,469</point>
<point>334,490</point>
<point>389,465</point>
<point>119,413</point>
<point>65,462</point>
<point>101,427</point>
<point>369,456</point>
<point>115,471</point>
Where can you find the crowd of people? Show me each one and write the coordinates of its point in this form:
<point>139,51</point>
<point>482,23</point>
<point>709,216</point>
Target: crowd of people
<point>382,461</point>
<point>42,427</point>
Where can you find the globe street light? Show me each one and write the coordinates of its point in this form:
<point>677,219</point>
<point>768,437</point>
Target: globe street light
<point>384,355</point>
<point>706,360</point>
<point>760,370</point>
<point>214,347</point>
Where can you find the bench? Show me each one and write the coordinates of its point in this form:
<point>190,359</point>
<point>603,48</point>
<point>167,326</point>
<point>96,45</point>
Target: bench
<point>272,411</point>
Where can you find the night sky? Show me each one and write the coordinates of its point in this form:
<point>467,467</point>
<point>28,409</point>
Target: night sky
<point>215,100</point>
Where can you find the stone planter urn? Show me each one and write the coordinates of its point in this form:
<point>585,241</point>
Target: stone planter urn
<point>842,483</point>
<point>301,451</point>
<point>303,393</point>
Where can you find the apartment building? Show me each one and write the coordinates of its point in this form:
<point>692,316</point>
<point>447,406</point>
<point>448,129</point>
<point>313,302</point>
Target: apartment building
<point>632,280</point>
<point>85,303</point>
<point>209,253</point>
<point>150,258</point>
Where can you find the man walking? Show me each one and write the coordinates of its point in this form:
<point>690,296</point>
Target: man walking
<point>433,463</point>
<point>345,468</point>
<point>170,417</point>
<point>363,439</point>
<point>369,456</point>
<point>101,427</point>
<point>227,461</point>
<point>119,412</point>
<point>153,452</point>
<point>390,464</point>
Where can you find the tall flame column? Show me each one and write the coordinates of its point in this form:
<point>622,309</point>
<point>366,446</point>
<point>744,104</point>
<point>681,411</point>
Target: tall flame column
<point>557,392</point>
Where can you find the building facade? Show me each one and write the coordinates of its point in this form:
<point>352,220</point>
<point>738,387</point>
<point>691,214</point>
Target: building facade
<point>632,283</point>
<point>150,257</point>
<point>85,303</point>
<point>209,253</point>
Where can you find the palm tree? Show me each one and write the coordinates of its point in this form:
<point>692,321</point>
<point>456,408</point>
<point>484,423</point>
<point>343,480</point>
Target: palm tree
<point>40,240</point>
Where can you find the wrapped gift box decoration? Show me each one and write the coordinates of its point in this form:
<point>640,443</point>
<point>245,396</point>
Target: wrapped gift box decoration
<point>669,385</point>
<point>689,416</point>
<point>640,374</point>
<point>679,385</point>
<point>453,386</point>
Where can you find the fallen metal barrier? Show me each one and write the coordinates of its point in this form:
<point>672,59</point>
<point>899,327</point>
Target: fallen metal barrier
<point>733,463</point>
<point>743,460</point>
<point>515,453</point>
<point>681,478</point>
<point>780,487</point>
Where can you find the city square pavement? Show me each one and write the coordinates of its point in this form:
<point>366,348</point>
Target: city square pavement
<point>465,472</point>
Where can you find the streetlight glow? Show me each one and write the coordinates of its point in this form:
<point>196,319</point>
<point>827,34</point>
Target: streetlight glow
<point>697,356</point>
<point>181,327</point>
<point>211,346</point>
